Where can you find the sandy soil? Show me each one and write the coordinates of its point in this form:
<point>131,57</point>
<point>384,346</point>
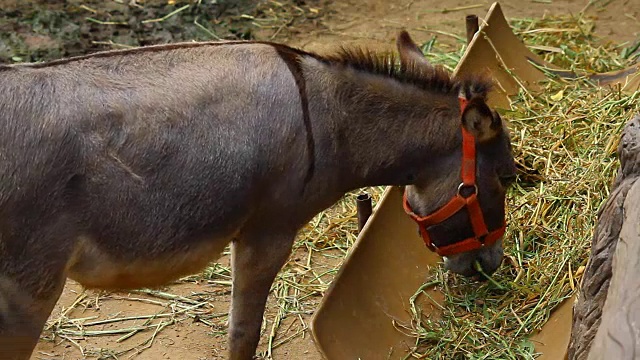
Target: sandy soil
<point>375,23</point>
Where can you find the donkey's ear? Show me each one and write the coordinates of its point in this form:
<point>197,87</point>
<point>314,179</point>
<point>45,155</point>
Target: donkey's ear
<point>478,119</point>
<point>409,51</point>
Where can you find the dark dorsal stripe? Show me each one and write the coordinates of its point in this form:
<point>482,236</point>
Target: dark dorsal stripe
<point>430,78</point>
<point>146,49</point>
<point>292,57</point>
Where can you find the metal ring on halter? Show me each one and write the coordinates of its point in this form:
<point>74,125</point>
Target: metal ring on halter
<point>463,185</point>
<point>432,247</point>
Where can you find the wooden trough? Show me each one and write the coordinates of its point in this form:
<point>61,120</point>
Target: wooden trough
<point>388,262</point>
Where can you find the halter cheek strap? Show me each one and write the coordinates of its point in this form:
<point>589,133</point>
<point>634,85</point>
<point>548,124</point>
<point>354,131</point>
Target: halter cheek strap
<point>482,236</point>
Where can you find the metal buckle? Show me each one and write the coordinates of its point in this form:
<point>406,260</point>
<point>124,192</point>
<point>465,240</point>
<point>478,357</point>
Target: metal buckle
<point>463,185</point>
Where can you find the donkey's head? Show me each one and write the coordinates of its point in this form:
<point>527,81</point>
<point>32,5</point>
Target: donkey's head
<point>459,204</point>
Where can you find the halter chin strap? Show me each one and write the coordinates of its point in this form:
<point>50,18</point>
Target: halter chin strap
<point>482,236</point>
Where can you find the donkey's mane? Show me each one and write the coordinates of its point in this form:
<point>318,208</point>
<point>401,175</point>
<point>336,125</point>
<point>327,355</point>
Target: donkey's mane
<point>427,77</point>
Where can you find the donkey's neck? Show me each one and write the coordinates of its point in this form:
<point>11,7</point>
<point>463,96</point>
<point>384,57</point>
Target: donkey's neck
<point>378,131</point>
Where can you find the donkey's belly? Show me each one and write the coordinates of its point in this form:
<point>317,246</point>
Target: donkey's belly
<point>94,268</point>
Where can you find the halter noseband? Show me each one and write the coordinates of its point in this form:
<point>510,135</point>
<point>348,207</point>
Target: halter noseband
<point>482,236</point>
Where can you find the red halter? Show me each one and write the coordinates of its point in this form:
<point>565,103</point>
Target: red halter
<point>482,236</point>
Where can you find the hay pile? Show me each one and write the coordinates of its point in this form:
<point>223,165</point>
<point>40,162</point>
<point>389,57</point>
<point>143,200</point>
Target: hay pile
<point>565,139</point>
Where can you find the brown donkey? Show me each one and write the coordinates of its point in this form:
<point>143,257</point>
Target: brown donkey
<point>130,169</point>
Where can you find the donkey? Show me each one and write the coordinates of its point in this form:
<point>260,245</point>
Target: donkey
<point>131,168</point>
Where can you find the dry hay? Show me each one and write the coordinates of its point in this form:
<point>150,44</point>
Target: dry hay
<point>564,138</point>
<point>37,30</point>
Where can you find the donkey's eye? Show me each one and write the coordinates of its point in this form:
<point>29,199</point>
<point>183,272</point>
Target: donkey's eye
<point>507,180</point>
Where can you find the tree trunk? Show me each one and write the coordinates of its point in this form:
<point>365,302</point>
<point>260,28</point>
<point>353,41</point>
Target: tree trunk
<point>606,317</point>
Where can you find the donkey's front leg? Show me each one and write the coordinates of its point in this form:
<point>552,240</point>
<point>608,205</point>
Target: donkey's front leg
<point>255,262</point>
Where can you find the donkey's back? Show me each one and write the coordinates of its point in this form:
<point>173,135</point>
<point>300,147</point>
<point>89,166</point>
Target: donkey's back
<point>127,170</point>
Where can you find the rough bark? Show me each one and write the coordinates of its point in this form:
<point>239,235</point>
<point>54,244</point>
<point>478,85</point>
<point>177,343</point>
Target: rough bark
<point>618,336</point>
<point>605,314</point>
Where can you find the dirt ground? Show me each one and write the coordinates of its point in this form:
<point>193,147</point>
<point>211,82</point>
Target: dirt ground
<point>371,22</point>
<point>374,22</point>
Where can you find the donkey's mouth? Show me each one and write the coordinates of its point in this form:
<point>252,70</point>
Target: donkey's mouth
<point>476,264</point>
